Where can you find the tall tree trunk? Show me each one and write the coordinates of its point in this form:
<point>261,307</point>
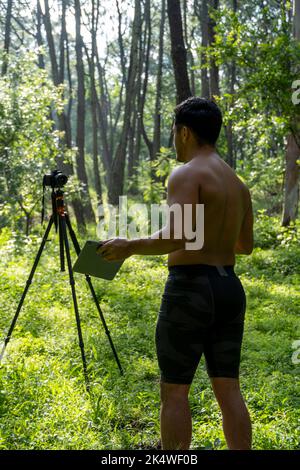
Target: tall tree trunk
<point>178,51</point>
<point>214,69</point>
<point>203,16</point>
<point>292,156</point>
<point>132,135</point>
<point>96,168</point>
<point>57,73</point>
<point>116,182</point>
<point>80,140</point>
<point>187,38</point>
<point>8,18</point>
<point>103,114</point>
<point>291,181</point>
<point>201,12</point>
<point>135,140</point>
<point>63,119</point>
<point>50,40</point>
<point>93,102</point>
<point>65,124</point>
<point>39,38</point>
<point>124,76</point>
<point>228,128</point>
<point>157,114</point>
<point>137,128</point>
<point>145,59</point>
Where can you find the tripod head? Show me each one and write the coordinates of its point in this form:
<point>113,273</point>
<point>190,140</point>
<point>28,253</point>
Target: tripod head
<point>58,205</point>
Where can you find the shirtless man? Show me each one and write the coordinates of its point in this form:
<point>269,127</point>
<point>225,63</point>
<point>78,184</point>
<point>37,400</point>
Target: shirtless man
<point>203,304</point>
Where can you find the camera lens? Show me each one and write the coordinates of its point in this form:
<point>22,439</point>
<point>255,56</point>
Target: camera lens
<point>61,179</point>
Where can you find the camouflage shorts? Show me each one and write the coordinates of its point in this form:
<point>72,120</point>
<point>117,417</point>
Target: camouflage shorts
<point>202,311</point>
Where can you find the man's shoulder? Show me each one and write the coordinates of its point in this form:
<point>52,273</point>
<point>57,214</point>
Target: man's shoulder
<point>245,193</point>
<point>184,173</point>
<point>243,185</point>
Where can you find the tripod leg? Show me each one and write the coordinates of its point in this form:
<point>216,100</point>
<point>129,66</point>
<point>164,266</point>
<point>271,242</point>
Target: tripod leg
<point>61,246</point>
<point>72,283</point>
<point>28,282</point>
<point>88,279</point>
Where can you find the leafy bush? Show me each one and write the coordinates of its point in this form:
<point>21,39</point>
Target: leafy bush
<point>268,233</point>
<point>265,230</point>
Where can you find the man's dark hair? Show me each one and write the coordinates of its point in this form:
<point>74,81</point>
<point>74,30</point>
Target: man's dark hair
<point>202,116</point>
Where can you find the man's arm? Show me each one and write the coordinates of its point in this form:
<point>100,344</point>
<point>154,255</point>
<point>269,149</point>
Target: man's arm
<point>244,243</point>
<point>181,190</point>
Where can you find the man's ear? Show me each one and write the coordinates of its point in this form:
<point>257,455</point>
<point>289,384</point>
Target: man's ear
<point>184,135</point>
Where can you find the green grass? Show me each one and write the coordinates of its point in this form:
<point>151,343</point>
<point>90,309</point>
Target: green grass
<point>43,402</point>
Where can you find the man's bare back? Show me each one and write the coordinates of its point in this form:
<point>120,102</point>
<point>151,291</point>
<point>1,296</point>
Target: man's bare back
<point>227,212</point>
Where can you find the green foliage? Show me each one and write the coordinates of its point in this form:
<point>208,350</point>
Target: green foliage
<point>258,41</point>
<point>28,142</point>
<point>154,191</point>
<point>268,233</point>
<point>266,230</point>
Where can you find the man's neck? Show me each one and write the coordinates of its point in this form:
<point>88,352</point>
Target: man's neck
<point>202,152</point>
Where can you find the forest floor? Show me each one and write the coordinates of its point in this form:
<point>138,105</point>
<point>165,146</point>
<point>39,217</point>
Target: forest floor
<point>43,401</point>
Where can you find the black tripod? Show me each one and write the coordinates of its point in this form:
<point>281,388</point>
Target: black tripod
<point>61,220</point>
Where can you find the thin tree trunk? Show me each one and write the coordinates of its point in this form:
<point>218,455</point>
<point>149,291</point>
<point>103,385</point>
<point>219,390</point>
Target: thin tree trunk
<point>187,37</point>
<point>50,40</point>
<point>94,105</point>
<point>70,90</point>
<point>39,37</point>
<point>201,12</point>
<point>145,59</point>
<point>96,168</point>
<point>116,183</point>
<point>80,133</point>
<point>291,182</point>
<point>7,37</point>
<point>57,75</point>
<point>63,120</point>
<point>292,156</point>
<point>124,74</point>
<point>102,119</point>
<point>178,51</point>
<point>131,145</point>
<point>137,128</point>
<point>214,69</point>
<point>157,115</point>
<point>228,128</point>
<point>230,159</point>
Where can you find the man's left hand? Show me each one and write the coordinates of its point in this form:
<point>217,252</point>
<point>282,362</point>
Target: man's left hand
<point>115,249</point>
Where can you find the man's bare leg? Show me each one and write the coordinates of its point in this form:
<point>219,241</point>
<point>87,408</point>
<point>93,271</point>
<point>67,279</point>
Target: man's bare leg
<point>175,417</point>
<point>236,419</point>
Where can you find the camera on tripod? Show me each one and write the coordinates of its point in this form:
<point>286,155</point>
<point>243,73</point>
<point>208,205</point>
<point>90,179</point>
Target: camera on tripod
<point>60,218</point>
<point>56,180</point>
